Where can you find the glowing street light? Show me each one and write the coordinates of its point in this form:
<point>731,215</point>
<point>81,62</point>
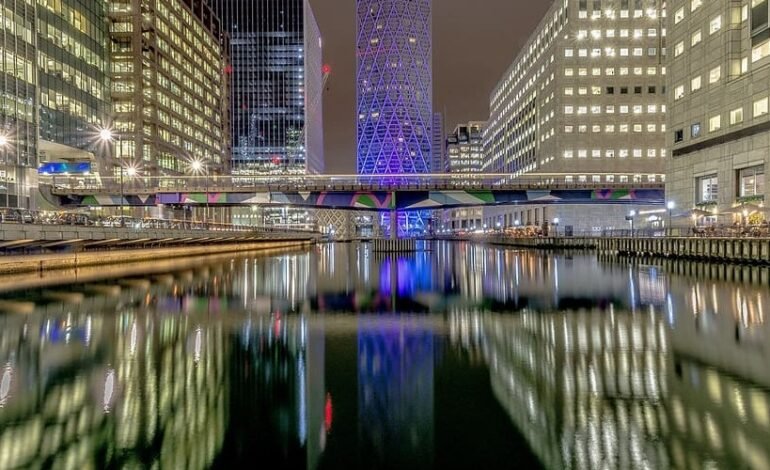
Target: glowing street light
<point>670,205</point>
<point>198,166</point>
<point>4,144</point>
<point>105,135</point>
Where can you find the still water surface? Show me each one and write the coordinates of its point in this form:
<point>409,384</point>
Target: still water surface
<point>461,357</point>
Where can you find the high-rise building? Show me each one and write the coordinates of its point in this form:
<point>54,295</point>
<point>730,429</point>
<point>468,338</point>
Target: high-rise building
<point>438,146</point>
<point>55,90</point>
<point>719,116</point>
<point>584,101</point>
<point>73,80</point>
<point>170,99</point>
<point>19,106</point>
<point>277,84</point>
<point>394,86</point>
<point>464,154</point>
<point>465,148</point>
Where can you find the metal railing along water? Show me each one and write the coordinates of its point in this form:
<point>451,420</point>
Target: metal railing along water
<point>145,224</point>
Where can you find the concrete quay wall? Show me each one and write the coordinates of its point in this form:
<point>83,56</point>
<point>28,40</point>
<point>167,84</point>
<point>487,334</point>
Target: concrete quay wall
<point>75,260</point>
<point>733,250</point>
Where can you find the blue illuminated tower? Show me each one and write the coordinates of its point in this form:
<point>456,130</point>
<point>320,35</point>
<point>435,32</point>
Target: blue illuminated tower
<point>395,87</point>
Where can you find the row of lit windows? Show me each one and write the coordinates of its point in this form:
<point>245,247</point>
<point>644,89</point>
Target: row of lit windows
<point>64,41</point>
<point>596,34</point>
<point>66,104</point>
<point>760,108</point>
<point>16,25</point>
<point>610,109</point>
<point>211,43</point>
<point>612,128</point>
<point>16,66</point>
<point>696,83</point>
<point>738,14</point>
<point>76,18</point>
<point>610,14</point>
<point>610,71</point>
<point>71,75</point>
<point>614,153</point>
<point>610,90</point>
<point>612,52</point>
<point>13,106</point>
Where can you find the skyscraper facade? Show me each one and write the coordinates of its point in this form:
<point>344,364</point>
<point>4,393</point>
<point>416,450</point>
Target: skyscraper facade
<point>584,102</point>
<point>438,146</point>
<point>394,87</point>
<point>465,148</point>
<point>169,94</point>
<point>277,83</point>
<point>55,90</point>
<point>719,108</point>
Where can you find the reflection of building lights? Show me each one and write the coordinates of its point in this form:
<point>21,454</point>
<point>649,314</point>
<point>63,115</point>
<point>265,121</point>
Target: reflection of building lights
<point>132,347</point>
<point>109,390</point>
<point>5,384</point>
<point>198,345</point>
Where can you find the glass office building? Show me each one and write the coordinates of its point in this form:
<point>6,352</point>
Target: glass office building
<point>19,119</point>
<point>276,81</point>
<point>55,90</point>
<point>72,54</point>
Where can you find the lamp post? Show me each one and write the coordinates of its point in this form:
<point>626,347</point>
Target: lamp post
<point>197,167</point>
<point>631,216</point>
<point>556,225</point>
<point>670,206</point>
<point>4,146</point>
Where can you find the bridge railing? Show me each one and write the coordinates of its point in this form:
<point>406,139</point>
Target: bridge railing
<point>146,224</point>
<point>139,183</point>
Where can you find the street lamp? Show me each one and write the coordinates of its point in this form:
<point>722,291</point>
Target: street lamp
<point>556,225</point>
<point>197,166</point>
<point>630,217</point>
<point>670,206</point>
<point>4,145</point>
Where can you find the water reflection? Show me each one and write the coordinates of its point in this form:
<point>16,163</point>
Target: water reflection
<point>297,360</point>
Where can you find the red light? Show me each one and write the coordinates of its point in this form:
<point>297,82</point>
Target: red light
<point>228,69</point>
<point>276,160</point>
<point>328,413</point>
<point>326,68</point>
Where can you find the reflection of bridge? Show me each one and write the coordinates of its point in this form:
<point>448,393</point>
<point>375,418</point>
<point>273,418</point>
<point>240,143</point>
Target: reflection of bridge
<point>385,192</point>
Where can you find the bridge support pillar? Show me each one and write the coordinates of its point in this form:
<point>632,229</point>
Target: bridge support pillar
<point>393,224</point>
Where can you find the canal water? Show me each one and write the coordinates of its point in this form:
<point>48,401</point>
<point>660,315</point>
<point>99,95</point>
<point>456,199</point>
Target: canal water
<point>463,356</point>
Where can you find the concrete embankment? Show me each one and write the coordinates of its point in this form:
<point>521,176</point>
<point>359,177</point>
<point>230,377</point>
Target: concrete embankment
<point>69,261</point>
<point>731,250</point>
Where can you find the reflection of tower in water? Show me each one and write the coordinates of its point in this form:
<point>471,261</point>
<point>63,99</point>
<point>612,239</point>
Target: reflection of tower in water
<point>395,391</point>
<point>277,393</point>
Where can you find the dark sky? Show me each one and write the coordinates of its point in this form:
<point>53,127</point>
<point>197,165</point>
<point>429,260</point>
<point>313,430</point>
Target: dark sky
<point>474,41</point>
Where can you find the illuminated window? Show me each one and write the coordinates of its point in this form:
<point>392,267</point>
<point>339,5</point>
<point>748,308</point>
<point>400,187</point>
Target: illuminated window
<point>678,49</point>
<point>695,83</point>
<point>715,123</point>
<point>678,15</point>
<point>736,116</point>
<point>695,4</point>
<point>715,74</point>
<point>760,107</point>
<point>715,24</point>
<point>679,92</point>
<point>696,38</point>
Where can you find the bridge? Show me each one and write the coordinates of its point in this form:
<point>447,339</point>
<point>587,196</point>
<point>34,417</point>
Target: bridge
<point>370,192</point>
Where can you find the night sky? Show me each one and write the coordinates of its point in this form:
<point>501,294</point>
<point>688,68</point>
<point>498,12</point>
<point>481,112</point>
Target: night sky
<point>474,42</point>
